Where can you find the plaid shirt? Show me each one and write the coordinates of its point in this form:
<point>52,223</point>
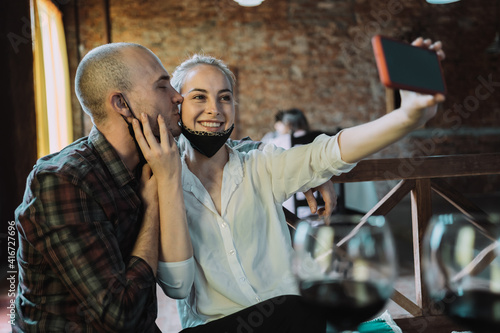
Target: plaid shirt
<point>77,225</point>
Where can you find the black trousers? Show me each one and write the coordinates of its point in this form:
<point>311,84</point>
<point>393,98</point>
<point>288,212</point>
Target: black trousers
<point>282,314</point>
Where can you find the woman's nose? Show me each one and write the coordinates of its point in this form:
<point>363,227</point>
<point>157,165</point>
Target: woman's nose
<point>212,108</point>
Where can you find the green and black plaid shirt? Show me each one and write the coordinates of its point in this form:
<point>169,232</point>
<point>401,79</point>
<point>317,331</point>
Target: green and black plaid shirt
<point>77,225</point>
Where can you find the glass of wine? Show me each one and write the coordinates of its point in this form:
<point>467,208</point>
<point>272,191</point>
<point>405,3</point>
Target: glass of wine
<point>346,268</point>
<point>462,269</point>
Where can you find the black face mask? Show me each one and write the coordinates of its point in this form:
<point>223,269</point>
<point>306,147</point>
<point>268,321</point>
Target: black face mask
<point>206,143</point>
<point>142,160</point>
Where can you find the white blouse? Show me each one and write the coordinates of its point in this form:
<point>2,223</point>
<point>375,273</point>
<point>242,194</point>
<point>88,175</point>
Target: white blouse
<point>243,255</point>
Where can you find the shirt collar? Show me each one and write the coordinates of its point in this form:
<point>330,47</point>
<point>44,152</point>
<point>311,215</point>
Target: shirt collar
<point>109,156</point>
<point>236,162</point>
<point>233,168</point>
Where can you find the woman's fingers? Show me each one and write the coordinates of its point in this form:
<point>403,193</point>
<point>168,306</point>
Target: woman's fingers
<point>146,172</point>
<point>146,128</point>
<point>418,42</point>
<point>166,138</point>
<point>427,43</point>
<point>139,135</point>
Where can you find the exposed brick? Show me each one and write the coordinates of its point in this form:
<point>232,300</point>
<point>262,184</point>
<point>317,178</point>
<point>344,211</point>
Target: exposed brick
<point>315,55</point>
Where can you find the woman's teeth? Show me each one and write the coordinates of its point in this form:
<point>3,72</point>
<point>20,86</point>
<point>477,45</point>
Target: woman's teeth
<point>207,124</point>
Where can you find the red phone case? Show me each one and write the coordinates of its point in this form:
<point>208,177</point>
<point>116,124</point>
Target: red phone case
<point>383,69</point>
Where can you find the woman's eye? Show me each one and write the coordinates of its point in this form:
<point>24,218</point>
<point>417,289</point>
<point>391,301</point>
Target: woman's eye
<point>199,97</point>
<point>226,98</point>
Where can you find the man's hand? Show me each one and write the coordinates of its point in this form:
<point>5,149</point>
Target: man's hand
<point>329,196</point>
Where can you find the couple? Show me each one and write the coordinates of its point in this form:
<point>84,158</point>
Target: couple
<point>95,223</point>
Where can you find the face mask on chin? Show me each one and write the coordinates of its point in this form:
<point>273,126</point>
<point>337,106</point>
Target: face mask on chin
<point>206,143</point>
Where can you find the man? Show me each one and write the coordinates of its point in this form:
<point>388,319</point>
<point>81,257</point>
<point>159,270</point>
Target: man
<point>88,225</point>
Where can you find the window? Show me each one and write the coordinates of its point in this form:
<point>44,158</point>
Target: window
<point>52,88</point>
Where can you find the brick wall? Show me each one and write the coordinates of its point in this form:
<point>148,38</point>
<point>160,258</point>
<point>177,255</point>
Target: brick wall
<point>314,55</point>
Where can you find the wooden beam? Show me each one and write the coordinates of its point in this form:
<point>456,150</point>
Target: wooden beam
<point>390,104</point>
<point>422,167</point>
<point>457,199</point>
<point>391,199</point>
<point>406,304</point>
<point>18,134</point>
<point>421,214</point>
<point>428,324</point>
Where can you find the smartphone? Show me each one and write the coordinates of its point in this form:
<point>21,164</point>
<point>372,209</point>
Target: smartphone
<point>404,66</point>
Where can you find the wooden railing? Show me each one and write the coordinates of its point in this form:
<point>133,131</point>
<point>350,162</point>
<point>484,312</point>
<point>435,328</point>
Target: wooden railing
<point>421,176</point>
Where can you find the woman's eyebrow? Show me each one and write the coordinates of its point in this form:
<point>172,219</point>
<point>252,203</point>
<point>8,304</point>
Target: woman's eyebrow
<point>206,92</point>
<point>198,89</point>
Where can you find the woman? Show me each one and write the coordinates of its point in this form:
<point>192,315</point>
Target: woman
<point>295,123</point>
<point>240,239</point>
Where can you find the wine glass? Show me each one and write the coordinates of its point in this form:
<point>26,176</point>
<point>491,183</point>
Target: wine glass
<point>345,268</point>
<point>462,269</point>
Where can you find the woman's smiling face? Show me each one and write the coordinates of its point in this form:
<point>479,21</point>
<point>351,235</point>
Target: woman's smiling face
<point>208,104</point>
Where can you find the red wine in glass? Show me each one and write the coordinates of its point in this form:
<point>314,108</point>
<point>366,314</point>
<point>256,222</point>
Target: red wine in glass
<point>345,304</point>
<point>461,261</point>
<point>475,310</point>
<point>345,268</point>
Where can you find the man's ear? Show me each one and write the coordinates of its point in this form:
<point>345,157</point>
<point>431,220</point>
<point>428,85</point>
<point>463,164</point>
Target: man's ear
<point>119,105</point>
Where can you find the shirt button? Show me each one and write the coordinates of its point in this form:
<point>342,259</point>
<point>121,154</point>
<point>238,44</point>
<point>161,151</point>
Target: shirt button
<point>242,279</point>
<point>223,224</point>
<point>257,298</point>
<point>231,252</point>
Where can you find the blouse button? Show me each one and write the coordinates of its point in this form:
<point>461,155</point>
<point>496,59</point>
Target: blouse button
<point>231,252</point>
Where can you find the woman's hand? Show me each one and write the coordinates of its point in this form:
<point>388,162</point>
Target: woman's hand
<point>329,195</point>
<point>420,108</point>
<point>165,169</point>
<point>416,109</point>
<point>163,156</point>
<point>148,189</point>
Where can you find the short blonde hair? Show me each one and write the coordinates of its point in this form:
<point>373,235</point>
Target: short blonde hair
<point>102,69</point>
<point>179,74</point>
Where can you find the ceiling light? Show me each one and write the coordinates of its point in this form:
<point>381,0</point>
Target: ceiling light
<point>249,3</point>
<point>441,2</point>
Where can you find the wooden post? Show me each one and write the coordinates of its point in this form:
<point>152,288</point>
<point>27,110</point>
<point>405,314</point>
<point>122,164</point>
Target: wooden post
<point>421,213</point>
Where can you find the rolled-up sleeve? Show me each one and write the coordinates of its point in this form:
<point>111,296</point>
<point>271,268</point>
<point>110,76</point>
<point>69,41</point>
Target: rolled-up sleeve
<point>176,278</point>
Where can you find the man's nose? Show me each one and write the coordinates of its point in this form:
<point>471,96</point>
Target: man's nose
<point>177,98</point>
